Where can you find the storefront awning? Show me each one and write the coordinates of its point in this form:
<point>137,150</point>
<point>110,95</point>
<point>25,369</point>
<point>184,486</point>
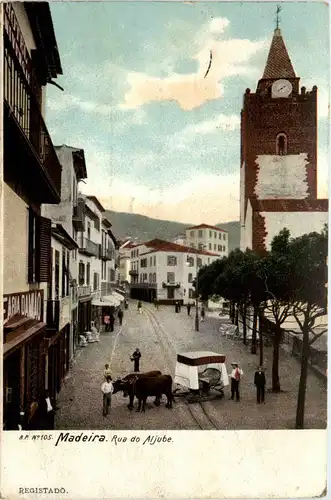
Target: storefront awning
<point>108,300</point>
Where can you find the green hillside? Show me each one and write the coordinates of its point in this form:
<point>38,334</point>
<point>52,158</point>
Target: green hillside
<point>145,228</point>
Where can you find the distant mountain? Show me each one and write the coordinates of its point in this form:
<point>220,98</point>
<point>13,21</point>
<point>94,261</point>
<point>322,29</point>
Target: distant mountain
<point>145,228</point>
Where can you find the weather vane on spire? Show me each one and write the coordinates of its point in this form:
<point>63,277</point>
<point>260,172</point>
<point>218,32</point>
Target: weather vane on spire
<point>277,16</point>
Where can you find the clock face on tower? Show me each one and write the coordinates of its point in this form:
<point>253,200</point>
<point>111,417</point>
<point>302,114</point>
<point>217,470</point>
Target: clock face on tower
<point>281,88</point>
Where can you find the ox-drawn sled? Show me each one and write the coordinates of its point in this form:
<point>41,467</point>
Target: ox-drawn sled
<point>200,376</point>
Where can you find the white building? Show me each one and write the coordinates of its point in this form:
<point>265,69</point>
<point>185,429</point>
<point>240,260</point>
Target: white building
<point>211,238</point>
<point>165,271</point>
<point>70,216</point>
<point>125,263</point>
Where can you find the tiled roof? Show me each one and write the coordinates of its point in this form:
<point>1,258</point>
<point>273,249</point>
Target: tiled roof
<point>279,205</point>
<point>206,226</point>
<point>278,63</point>
<point>167,246</point>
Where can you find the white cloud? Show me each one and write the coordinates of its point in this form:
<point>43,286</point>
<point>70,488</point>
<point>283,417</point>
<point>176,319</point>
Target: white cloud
<point>191,90</point>
<point>323,167</point>
<point>67,101</point>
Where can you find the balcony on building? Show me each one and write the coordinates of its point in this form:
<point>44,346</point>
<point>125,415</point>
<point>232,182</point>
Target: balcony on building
<point>105,253</point>
<point>84,291</point>
<point>170,284</point>
<point>144,284</point>
<point>133,272</point>
<point>88,247</point>
<point>78,216</point>
<point>29,154</point>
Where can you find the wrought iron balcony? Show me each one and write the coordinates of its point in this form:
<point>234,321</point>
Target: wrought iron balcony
<point>105,253</point>
<point>29,153</point>
<point>169,284</point>
<point>133,272</point>
<point>84,291</point>
<point>88,247</point>
<point>78,216</point>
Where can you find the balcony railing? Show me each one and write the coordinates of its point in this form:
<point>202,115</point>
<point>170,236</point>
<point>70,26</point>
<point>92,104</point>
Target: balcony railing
<point>78,216</point>
<point>89,247</point>
<point>53,314</point>
<point>133,272</point>
<point>105,253</point>
<point>84,291</point>
<point>22,98</point>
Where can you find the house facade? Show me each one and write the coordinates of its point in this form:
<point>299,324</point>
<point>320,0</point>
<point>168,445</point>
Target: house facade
<point>209,238</point>
<point>165,271</point>
<point>32,177</point>
<point>69,215</point>
<point>278,174</point>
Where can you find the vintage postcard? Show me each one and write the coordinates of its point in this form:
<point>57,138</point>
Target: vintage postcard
<point>164,222</point>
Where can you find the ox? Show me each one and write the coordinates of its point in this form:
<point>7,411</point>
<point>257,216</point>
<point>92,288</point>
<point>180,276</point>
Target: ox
<point>125,385</point>
<point>143,387</point>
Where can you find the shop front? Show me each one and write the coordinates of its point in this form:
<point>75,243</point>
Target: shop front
<point>23,358</point>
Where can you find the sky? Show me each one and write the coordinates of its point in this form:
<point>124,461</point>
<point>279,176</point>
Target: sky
<point>159,138</point>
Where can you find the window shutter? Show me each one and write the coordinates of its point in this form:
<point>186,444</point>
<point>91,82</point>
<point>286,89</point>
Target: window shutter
<point>30,249</point>
<point>44,232</point>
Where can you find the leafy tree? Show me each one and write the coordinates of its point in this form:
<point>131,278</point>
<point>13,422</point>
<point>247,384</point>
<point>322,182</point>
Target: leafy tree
<point>309,277</point>
<point>275,270</point>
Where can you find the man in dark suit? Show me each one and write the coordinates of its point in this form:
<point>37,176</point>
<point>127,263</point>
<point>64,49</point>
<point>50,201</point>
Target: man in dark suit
<point>259,382</point>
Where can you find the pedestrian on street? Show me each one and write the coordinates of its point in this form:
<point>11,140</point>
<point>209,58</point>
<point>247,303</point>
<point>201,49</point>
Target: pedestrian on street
<point>107,389</point>
<point>136,359</point>
<point>236,375</point>
<point>120,316</point>
<point>106,371</point>
<point>111,322</point>
<point>176,307</point>
<point>259,382</point>
<point>203,314</point>
<point>139,307</point>
<point>106,320</point>
<point>126,304</point>
<point>188,309</point>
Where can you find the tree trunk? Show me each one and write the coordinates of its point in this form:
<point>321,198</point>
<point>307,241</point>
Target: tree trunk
<point>275,361</point>
<point>237,315</point>
<point>253,351</point>
<point>299,423</point>
<point>244,312</point>
<point>231,312</point>
<point>261,327</point>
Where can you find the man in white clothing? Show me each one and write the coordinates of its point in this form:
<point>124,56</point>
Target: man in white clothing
<point>107,389</point>
<point>236,375</point>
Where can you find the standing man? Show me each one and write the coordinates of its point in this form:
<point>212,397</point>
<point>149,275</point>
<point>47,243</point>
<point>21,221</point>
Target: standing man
<point>259,382</point>
<point>136,359</point>
<point>236,375</point>
<point>139,307</point>
<point>188,308</point>
<point>107,389</point>
<point>203,314</point>
<point>111,322</point>
<point>120,316</point>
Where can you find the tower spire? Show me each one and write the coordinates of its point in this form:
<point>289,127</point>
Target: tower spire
<point>278,11</point>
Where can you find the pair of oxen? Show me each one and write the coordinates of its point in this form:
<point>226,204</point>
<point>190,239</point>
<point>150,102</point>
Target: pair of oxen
<point>143,385</point>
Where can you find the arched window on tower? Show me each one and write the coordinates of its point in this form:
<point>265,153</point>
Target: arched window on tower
<point>281,144</point>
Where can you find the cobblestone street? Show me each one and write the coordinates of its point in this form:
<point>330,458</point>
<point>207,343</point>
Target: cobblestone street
<point>160,334</point>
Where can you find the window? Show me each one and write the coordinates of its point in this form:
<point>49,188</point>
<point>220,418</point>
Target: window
<point>201,246</point>
<point>39,248</point>
<point>88,230</point>
<point>32,247</point>
<point>143,263</point>
<point>81,272</point>
<point>190,278</point>
<point>151,261</point>
<point>190,293</point>
<point>214,247</point>
<point>192,245</point>
<point>95,281</point>
<point>150,280</point>
<point>200,234</point>
<point>208,260</point>
<point>209,246</point>
<point>63,272</point>
<point>57,274</point>
<point>199,262</point>
<point>88,273</point>
<point>103,270</point>
<point>67,273</point>
<point>170,277</point>
<point>192,234</point>
<point>154,260</point>
<point>154,277</point>
<point>171,261</point>
<point>215,235</point>
<point>224,236</point>
<point>97,224</point>
<point>190,261</point>
<point>219,248</point>
<point>281,144</point>
<point>219,236</point>
<point>210,234</point>
<point>145,276</point>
